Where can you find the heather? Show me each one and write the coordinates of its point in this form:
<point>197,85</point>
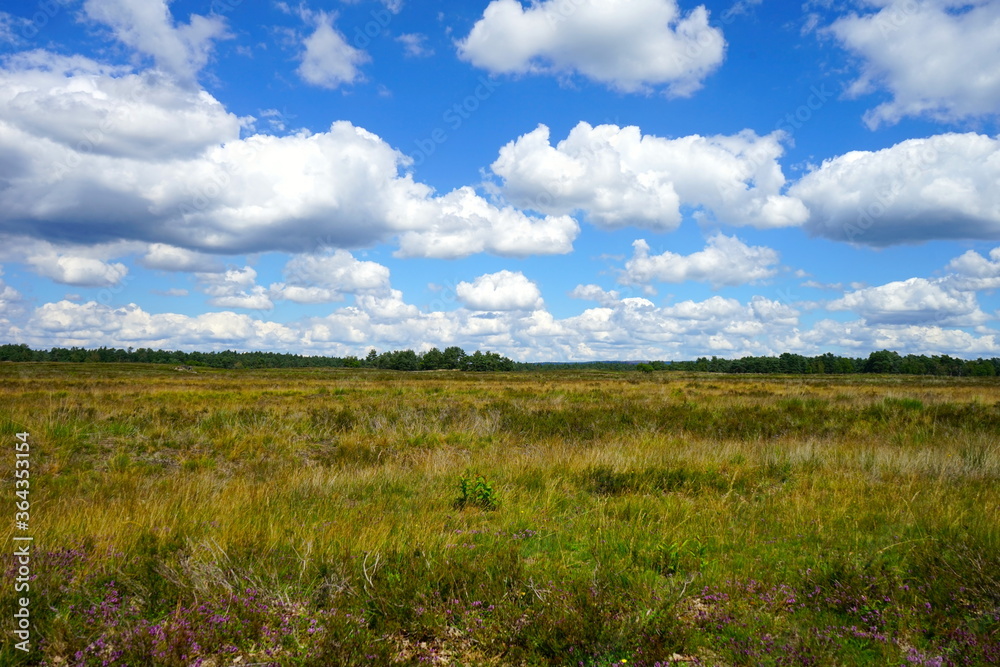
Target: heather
<point>360,516</point>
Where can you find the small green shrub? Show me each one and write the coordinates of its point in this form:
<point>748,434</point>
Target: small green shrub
<point>476,493</point>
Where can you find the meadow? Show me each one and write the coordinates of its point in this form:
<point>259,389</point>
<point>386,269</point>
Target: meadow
<point>366,517</point>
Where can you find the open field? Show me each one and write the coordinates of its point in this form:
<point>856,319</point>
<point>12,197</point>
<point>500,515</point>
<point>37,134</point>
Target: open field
<point>311,517</point>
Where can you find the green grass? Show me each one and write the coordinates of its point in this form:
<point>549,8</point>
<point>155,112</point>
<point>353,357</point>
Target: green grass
<point>319,517</point>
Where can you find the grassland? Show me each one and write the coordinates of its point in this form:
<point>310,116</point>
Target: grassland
<point>312,517</point>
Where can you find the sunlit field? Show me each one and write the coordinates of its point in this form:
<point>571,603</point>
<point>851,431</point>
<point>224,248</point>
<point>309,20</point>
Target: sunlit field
<point>362,517</point>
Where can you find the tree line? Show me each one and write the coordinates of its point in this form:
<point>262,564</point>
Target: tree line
<point>452,358</point>
<point>455,358</point>
<point>884,361</point>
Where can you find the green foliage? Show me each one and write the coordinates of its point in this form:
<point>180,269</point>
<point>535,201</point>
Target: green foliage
<point>476,493</point>
<point>453,358</point>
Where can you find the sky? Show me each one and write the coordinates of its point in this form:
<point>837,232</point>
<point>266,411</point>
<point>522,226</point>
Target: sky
<point>557,180</point>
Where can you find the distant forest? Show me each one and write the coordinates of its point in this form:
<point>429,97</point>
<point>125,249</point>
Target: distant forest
<point>452,358</point>
<point>455,358</point>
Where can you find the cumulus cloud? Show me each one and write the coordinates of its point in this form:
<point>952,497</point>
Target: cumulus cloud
<point>68,268</point>
<point>937,58</point>
<point>463,223</point>
<point>972,271</point>
<point>163,257</point>
<point>81,271</point>
<point>503,290</point>
<point>323,278</point>
<point>689,328</point>
<point>90,323</point>
<point>861,338</point>
<point>147,26</point>
<point>725,261</point>
<point>916,301</point>
<point>595,293</point>
<point>633,328</point>
<point>620,177</point>
<point>629,328</point>
<point>942,187</point>
<point>69,108</point>
<point>327,59</point>
<point>235,288</point>
<point>629,45</point>
<point>11,302</point>
<point>207,190</point>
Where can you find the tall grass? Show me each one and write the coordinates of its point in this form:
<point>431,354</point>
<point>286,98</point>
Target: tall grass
<point>310,517</point>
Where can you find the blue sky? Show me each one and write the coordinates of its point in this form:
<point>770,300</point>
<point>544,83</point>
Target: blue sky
<point>556,180</point>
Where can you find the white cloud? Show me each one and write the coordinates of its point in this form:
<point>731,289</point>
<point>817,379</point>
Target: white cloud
<point>861,338</point>
<point>815,284</point>
<point>413,44</point>
<point>235,288</point>
<point>91,324</point>
<point>14,28</point>
<point>942,187</point>
<point>916,301</point>
<point>725,261</point>
<point>684,330</point>
<point>629,45</point>
<point>163,257</point>
<point>327,59</point>
<point>972,271</point>
<point>504,290</point>
<point>328,277</point>
<point>462,223</point>
<point>631,328</point>
<point>63,107</point>
<point>171,169</point>
<point>595,293</point>
<point>80,271</point>
<point>147,27</point>
<point>620,177</point>
<point>938,58</point>
<point>11,302</point>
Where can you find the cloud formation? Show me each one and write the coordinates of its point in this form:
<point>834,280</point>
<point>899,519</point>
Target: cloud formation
<point>619,177</point>
<point>972,271</point>
<point>937,58</point>
<point>916,301</point>
<point>629,45</point>
<point>503,290</point>
<point>328,277</point>
<point>941,187</point>
<point>726,260</point>
<point>146,26</point>
<point>328,61</point>
<point>207,190</point>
